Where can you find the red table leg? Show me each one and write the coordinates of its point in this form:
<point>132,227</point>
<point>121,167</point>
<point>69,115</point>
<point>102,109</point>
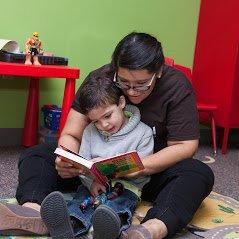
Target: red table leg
<point>225,139</point>
<point>69,94</point>
<point>30,130</point>
<point>214,133</point>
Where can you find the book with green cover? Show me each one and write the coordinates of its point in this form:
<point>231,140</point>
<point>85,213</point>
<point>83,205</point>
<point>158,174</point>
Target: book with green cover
<point>107,168</point>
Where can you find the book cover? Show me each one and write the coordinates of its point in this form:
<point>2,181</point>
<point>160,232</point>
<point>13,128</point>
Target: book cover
<point>107,168</point>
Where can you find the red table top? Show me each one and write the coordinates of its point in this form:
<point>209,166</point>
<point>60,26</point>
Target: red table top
<point>53,71</point>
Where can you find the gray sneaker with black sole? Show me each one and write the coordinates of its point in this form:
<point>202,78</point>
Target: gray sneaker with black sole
<point>106,223</point>
<point>55,215</point>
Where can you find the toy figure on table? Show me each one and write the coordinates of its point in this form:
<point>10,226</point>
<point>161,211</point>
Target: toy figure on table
<point>111,193</point>
<point>33,49</point>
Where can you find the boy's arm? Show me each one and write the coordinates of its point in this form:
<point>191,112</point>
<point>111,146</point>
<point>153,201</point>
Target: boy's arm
<point>85,146</point>
<point>146,144</point>
<point>85,151</point>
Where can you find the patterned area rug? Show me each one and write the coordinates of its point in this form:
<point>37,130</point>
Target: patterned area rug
<point>217,218</point>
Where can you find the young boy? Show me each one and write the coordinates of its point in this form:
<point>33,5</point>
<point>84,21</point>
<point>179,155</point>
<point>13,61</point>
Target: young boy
<point>115,128</point>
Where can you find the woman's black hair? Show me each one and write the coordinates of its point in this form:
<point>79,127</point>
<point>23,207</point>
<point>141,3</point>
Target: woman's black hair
<point>96,92</point>
<point>138,51</point>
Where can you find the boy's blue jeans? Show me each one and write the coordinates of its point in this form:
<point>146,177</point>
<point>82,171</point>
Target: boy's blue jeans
<point>125,205</point>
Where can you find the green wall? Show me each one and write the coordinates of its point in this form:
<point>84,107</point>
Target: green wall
<point>86,31</point>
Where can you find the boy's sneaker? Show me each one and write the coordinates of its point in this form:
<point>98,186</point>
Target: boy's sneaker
<point>55,215</point>
<point>20,220</point>
<point>106,223</point>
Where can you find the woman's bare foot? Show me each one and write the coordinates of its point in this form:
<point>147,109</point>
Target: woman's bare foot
<point>156,227</point>
<point>32,205</point>
<point>152,229</point>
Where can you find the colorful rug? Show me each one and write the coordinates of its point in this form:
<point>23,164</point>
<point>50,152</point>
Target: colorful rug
<point>217,218</point>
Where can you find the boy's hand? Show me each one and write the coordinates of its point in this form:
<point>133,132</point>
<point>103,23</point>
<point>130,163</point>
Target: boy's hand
<point>97,188</point>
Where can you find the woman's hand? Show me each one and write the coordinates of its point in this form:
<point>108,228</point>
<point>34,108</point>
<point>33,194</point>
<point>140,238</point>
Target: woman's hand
<point>65,169</point>
<point>97,188</point>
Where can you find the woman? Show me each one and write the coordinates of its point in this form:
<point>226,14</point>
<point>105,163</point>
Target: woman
<point>166,101</point>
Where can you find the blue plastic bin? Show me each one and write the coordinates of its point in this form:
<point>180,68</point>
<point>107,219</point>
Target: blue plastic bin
<point>51,115</point>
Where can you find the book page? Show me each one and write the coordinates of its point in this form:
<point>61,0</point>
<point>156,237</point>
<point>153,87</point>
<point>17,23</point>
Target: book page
<point>74,157</point>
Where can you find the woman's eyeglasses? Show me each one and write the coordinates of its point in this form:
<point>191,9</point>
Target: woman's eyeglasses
<point>125,86</point>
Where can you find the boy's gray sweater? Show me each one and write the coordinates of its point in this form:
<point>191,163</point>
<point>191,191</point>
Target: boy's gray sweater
<point>135,135</point>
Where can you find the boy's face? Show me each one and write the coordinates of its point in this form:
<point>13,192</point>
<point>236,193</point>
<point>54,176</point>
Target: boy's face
<point>109,118</point>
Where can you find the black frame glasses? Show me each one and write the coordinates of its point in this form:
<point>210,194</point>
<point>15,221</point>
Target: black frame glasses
<point>139,88</point>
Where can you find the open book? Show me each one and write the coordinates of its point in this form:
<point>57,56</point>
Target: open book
<point>106,168</point>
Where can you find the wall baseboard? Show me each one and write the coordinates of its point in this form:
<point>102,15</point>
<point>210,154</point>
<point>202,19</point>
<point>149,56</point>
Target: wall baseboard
<point>10,136</point>
<point>13,136</point>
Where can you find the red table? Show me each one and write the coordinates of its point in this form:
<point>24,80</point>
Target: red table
<point>30,130</point>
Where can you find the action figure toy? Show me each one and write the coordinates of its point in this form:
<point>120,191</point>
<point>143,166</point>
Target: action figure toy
<point>33,49</point>
<point>116,191</point>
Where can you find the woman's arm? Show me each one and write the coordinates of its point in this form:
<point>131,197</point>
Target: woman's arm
<point>71,137</point>
<point>182,128</point>
<point>176,151</point>
<point>73,130</point>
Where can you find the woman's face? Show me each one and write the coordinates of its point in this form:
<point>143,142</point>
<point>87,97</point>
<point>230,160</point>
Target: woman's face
<point>134,79</point>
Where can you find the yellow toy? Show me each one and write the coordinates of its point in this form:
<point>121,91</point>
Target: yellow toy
<point>33,49</point>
